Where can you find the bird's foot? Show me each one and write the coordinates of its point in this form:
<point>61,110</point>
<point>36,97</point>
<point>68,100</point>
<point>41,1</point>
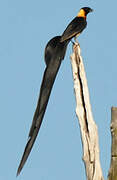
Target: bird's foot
<point>73,42</point>
<point>76,41</point>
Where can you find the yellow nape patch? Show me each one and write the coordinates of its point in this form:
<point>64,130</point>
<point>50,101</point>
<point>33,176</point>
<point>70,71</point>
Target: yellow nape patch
<point>81,13</point>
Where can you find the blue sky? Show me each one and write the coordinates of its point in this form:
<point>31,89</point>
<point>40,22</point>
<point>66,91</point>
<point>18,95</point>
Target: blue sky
<point>25,28</point>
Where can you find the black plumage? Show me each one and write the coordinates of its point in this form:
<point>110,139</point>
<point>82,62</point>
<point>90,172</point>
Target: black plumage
<point>54,54</point>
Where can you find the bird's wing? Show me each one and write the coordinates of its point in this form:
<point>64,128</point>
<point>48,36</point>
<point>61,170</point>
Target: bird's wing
<point>76,26</point>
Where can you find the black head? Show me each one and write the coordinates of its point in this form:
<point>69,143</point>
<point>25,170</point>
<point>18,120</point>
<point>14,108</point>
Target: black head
<point>87,10</point>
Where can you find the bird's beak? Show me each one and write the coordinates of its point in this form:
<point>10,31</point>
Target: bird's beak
<point>91,10</point>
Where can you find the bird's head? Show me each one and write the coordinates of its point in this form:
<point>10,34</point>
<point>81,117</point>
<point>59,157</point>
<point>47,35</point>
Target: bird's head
<point>84,11</point>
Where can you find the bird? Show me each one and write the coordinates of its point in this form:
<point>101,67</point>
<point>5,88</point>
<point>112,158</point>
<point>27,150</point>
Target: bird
<point>54,54</point>
<point>77,25</point>
<point>55,51</point>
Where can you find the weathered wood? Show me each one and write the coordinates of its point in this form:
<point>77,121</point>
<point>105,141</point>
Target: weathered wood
<point>88,127</point>
<point>113,167</point>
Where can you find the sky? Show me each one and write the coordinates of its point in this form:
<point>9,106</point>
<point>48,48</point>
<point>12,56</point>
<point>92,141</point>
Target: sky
<point>25,28</point>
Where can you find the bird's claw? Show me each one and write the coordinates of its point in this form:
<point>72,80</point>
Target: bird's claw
<point>75,43</point>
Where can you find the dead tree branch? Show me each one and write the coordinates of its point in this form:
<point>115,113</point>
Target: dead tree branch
<point>113,168</point>
<point>88,127</point>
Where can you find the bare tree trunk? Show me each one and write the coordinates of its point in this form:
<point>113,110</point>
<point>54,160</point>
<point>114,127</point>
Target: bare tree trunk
<point>113,168</point>
<point>88,127</point>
